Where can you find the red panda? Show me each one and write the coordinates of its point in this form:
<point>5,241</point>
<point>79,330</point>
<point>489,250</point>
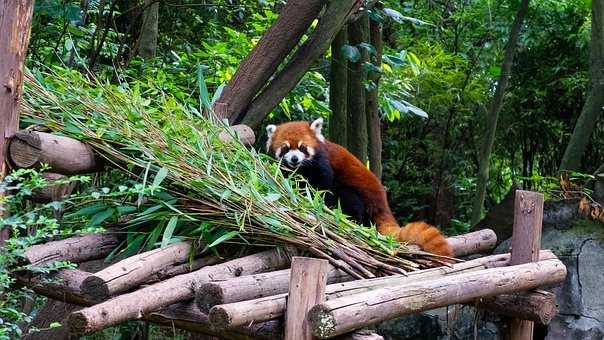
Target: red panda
<point>329,166</point>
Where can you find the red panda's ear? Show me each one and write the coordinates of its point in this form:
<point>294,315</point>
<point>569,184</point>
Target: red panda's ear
<point>316,127</point>
<point>270,131</point>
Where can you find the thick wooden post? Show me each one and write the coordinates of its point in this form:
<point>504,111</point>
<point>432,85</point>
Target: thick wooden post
<point>526,242</point>
<point>306,289</point>
<point>15,23</point>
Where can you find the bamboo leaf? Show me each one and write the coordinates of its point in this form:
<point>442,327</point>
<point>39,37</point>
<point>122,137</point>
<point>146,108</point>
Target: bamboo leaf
<point>169,231</point>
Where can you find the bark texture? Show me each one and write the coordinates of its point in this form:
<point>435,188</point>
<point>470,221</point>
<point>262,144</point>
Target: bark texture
<point>64,155</point>
<point>338,90</point>
<point>15,25</point>
<point>358,33</point>
<point>319,40</point>
<point>374,130</point>
<point>260,64</point>
<point>147,44</point>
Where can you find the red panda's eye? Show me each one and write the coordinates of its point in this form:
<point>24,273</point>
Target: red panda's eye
<point>303,148</point>
<point>284,148</point>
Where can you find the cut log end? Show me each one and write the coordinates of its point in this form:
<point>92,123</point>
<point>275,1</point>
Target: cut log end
<point>78,323</point>
<point>25,149</point>
<point>324,323</point>
<point>208,296</point>
<point>219,318</point>
<point>95,287</point>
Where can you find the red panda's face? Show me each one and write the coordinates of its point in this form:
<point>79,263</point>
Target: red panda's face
<point>295,142</point>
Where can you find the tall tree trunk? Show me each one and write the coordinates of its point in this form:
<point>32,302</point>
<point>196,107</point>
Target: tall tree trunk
<point>358,32</point>
<point>592,108</point>
<point>15,25</point>
<point>338,90</point>
<point>493,114</point>
<point>374,130</point>
<point>149,31</point>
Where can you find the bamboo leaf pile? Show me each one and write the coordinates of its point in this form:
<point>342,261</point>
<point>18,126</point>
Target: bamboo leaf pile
<point>162,143</point>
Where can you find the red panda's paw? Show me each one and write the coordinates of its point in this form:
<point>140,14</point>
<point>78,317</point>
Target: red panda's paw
<point>427,237</point>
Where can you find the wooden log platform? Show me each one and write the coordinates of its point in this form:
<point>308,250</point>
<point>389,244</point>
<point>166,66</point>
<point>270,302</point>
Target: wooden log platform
<point>235,314</point>
<point>62,285</point>
<point>76,249</point>
<point>133,305</point>
<point>273,283</point>
<point>64,155</point>
<point>342,315</point>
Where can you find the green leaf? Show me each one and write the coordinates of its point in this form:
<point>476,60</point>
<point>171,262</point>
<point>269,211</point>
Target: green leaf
<point>204,97</point>
<point>100,217</point>
<point>224,238</point>
<point>351,53</point>
<point>169,231</point>
<point>160,176</point>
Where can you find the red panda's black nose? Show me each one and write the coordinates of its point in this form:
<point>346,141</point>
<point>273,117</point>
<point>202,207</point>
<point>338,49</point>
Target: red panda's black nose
<point>294,159</point>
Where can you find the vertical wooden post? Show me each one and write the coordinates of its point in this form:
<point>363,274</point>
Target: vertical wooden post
<point>526,243</point>
<point>15,24</point>
<point>306,289</point>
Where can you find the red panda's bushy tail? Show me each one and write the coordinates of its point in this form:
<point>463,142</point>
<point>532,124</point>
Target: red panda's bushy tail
<point>427,237</point>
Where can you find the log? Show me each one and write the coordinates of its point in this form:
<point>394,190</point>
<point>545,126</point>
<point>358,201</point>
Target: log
<point>244,134</point>
<point>183,268</point>
<point>15,26</point>
<point>251,287</point>
<point>473,243</point>
<point>345,314</point>
<point>260,64</point>
<point>64,155</point>
<point>53,192</point>
<point>361,335</point>
<point>526,242</point>
<point>319,40</point>
<point>186,316</point>
<point>76,249</point>
<point>538,305</point>
<point>235,314</point>
<point>133,305</point>
<point>134,270</point>
<point>62,285</point>
<point>306,289</point>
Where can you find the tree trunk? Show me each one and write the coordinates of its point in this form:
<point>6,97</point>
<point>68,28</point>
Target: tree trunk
<point>358,32</point>
<point>493,114</point>
<point>338,90</point>
<point>15,24</point>
<point>319,40</point>
<point>374,131</point>
<point>261,63</point>
<point>149,30</point>
<point>592,108</point>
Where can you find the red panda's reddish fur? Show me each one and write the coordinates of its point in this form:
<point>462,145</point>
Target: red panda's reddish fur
<point>349,169</point>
